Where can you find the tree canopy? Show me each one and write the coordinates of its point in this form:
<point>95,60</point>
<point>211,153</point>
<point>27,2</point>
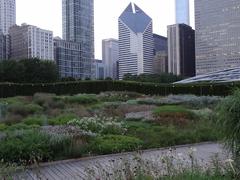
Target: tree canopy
<point>28,71</point>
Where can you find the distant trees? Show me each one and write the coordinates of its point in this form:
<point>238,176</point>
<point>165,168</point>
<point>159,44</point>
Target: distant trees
<point>153,78</point>
<point>28,71</point>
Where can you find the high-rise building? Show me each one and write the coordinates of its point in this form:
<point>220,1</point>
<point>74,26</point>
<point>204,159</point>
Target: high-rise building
<point>217,35</point>
<point>160,43</point>
<point>29,41</point>
<point>182,11</point>
<point>181,50</point>
<point>78,27</point>
<point>135,42</point>
<point>160,64</point>
<point>98,69</point>
<point>110,57</point>
<point>67,55</point>
<point>7,15</point>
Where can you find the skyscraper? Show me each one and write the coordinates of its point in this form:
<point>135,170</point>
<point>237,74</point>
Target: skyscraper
<point>160,43</point>
<point>7,15</point>
<point>110,57</point>
<point>78,27</point>
<point>135,42</point>
<point>181,50</point>
<point>217,35</point>
<point>182,11</point>
<point>29,41</point>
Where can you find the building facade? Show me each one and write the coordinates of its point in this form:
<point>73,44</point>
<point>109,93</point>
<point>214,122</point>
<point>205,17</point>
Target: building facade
<point>67,55</point>
<point>135,42</point>
<point>160,43</point>
<point>217,35</point>
<point>181,50</point>
<point>160,64</point>
<point>182,12</point>
<point>7,15</point>
<point>78,27</point>
<point>110,57</point>
<point>29,41</point>
<point>98,69</point>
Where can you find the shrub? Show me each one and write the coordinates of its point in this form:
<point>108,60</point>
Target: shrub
<point>62,119</point>
<point>21,126</point>
<point>111,96</point>
<point>27,147</point>
<point>3,127</point>
<point>48,100</point>
<point>175,115</point>
<point>99,125</point>
<point>24,110</point>
<point>35,120</point>
<point>114,144</point>
<point>228,120</point>
<point>82,99</point>
<point>190,101</point>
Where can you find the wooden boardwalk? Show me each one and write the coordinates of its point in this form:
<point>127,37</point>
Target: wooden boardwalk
<point>97,167</point>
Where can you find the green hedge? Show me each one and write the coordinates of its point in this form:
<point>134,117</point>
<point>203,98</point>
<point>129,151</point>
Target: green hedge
<point>61,88</point>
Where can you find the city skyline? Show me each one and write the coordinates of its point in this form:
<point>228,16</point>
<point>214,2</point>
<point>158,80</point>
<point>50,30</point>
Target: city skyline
<point>105,16</point>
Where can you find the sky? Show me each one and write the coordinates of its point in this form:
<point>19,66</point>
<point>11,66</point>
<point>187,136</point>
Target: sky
<point>47,14</point>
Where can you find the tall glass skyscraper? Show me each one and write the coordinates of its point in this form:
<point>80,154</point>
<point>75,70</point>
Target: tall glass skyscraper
<point>182,11</point>
<point>78,27</point>
<point>135,42</point>
<point>217,35</point>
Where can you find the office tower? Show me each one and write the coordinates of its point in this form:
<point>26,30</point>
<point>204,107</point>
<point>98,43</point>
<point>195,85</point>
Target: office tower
<point>160,43</point>
<point>67,55</point>
<point>7,15</point>
<point>29,41</point>
<point>217,35</point>
<point>135,42</point>
<point>110,57</point>
<point>78,27</point>
<point>98,69</point>
<point>181,50</point>
<point>182,11</point>
<point>160,64</point>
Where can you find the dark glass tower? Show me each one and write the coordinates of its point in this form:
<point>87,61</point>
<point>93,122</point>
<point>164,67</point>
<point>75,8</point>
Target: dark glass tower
<point>78,27</point>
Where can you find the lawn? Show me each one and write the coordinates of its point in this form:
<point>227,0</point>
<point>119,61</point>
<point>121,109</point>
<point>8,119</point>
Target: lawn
<point>47,127</point>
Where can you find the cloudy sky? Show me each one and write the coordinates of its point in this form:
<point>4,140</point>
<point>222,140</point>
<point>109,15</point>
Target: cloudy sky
<point>47,14</point>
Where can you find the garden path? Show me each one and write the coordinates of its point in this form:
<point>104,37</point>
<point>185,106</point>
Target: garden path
<point>92,168</point>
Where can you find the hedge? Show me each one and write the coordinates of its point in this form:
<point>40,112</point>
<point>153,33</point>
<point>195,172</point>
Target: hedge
<point>63,88</point>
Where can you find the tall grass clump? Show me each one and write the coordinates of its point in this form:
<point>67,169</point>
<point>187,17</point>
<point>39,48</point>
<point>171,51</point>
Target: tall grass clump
<point>228,120</point>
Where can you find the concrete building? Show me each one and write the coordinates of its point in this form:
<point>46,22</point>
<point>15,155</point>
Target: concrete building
<point>217,35</point>
<point>135,42</point>
<point>110,57</point>
<point>7,15</point>
<point>78,27</point>
<point>182,12</point>
<point>160,64</point>
<point>98,69</point>
<point>29,41</point>
<point>181,50</point>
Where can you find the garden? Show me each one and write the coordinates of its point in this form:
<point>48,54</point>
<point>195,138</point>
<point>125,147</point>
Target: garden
<point>48,127</point>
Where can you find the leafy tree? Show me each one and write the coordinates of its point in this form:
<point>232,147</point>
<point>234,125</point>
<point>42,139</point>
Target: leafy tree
<point>28,71</point>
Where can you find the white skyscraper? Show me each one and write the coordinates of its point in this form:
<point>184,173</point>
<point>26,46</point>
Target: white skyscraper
<point>182,12</point>
<point>135,42</point>
<point>110,57</point>
<point>7,15</point>
<point>29,41</point>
